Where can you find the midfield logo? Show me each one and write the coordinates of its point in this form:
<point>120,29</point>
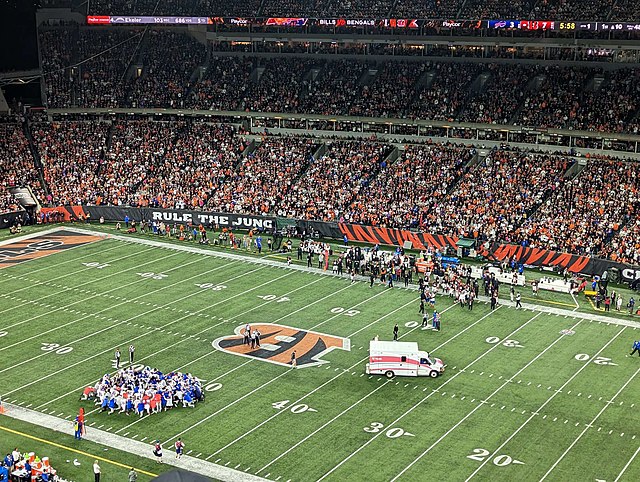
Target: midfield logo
<point>277,343</point>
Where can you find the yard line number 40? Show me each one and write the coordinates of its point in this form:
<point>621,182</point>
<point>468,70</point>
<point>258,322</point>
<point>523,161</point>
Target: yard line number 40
<point>299,408</point>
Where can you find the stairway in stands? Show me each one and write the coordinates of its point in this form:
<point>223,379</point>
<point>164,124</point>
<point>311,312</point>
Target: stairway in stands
<point>36,158</point>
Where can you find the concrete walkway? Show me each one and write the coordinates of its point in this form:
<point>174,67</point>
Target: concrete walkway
<point>141,449</point>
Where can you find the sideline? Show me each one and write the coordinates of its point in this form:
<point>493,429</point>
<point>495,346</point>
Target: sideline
<point>70,449</point>
<point>277,264</point>
<point>133,447</point>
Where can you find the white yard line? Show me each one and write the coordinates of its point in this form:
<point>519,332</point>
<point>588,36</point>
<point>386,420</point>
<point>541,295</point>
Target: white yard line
<point>26,237</point>
<point>322,427</point>
<point>482,402</point>
<point>6,275</point>
<point>541,407</point>
<point>134,447</point>
<point>284,373</point>
<point>213,326</point>
<point>35,282</point>
<point>237,316</point>
<point>275,321</point>
<point>304,269</point>
<point>82,301</point>
<point>624,469</point>
<point>337,315</point>
<point>239,399</point>
<point>293,447</point>
<point>609,402</point>
<point>124,302</point>
<point>149,332</point>
<point>449,380</point>
<point>261,424</point>
<point>168,347</point>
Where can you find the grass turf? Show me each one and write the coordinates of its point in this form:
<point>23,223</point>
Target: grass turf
<point>63,450</point>
<point>508,408</point>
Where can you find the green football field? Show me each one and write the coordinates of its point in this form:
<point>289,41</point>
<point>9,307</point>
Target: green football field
<point>520,398</point>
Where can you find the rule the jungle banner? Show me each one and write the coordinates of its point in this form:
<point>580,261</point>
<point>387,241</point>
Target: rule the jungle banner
<point>355,232</point>
<point>169,216</point>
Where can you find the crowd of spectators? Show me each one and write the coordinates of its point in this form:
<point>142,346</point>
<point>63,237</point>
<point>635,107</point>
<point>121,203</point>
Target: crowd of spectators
<point>261,179</point>
<point>497,9</point>
<point>194,163</point>
<point>572,9</point>
<point>536,96</point>
<point>445,97</point>
<point>57,56</point>
<point>106,55</point>
<point>71,154</point>
<point>336,87</point>
<point>555,101</point>
<point>403,193</point>
<point>608,108</point>
<point>392,88</point>
<point>501,97</point>
<point>625,10</point>
<point>625,247</point>
<point>433,9</point>
<point>228,8</point>
<point>169,61</point>
<point>143,7</point>
<point>334,181</point>
<point>282,84</point>
<point>161,164</point>
<point>225,85</point>
<point>585,213</point>
<point>441,9</point>
<point>509,196</point>
<point>497,195</point>
<point>17,166</point>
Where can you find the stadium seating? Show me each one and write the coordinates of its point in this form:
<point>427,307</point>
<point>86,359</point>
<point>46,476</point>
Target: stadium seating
<point>518,197</point>
<point>509,196</point>
<point>584,98</point>
<point>17,165</point>
<point>584,214</point>
<point>434,9</point>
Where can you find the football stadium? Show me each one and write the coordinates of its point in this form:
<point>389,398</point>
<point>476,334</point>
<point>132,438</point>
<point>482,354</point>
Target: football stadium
<point>303,240</point>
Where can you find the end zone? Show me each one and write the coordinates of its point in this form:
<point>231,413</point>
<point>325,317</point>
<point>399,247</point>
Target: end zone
<point>38,245</point>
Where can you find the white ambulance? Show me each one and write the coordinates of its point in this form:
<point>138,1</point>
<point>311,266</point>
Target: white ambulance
<point>392,358</point>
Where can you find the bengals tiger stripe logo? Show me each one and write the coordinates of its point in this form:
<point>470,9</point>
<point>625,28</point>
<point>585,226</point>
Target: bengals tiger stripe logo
<point>278,342</point>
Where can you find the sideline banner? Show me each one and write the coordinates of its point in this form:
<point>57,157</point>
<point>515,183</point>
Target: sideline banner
<point>496,252</point>
<point>116,213</point>
<point>355,232</point>
<point>547,258</point>
<point>396,237</point>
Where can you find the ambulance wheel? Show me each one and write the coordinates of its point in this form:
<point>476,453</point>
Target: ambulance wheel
<point>389,374</point>
<point>433,374</point>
